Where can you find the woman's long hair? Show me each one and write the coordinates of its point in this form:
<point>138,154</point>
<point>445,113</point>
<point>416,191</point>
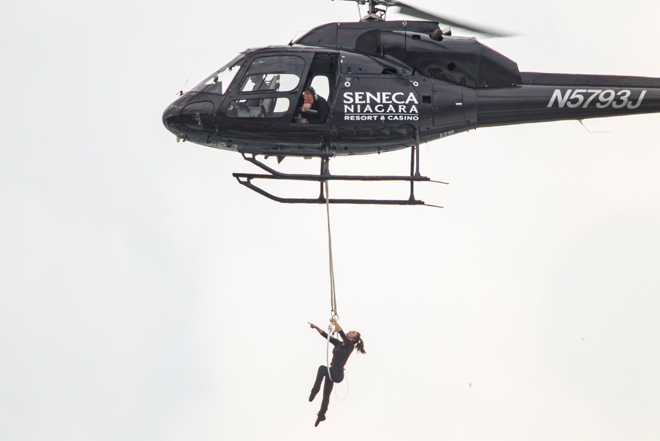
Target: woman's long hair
<point>359,344</point>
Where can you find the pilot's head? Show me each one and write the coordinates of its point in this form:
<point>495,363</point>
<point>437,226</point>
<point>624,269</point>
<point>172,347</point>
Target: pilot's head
<point>309,95</point>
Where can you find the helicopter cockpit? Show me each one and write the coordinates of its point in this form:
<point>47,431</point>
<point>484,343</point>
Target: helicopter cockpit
<point>265,87</point>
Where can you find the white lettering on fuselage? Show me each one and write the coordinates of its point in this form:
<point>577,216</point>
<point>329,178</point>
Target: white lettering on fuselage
<point>380,106</point>
<point>606,98</point>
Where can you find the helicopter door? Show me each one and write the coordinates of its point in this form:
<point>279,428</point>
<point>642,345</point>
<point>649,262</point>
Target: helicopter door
<point>448,106</point>
<point>269,88</point>
<point>322,77</point>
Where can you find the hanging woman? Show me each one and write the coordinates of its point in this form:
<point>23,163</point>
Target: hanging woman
<point>335,373</point>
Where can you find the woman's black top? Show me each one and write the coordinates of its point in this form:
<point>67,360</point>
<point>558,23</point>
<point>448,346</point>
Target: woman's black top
<point>341,351</point>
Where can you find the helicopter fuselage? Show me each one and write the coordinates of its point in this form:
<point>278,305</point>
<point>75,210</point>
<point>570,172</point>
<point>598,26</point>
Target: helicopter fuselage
<point>386,83</point>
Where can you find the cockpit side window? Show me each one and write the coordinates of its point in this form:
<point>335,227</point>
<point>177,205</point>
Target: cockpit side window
<point>221,79</point>
<point>273,74</point>
<point>259,108</point>
<point>321,85</point>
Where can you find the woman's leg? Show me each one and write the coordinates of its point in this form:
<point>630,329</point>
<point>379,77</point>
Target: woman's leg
<point>337,377</point>
<point>320,375</point>
<point>327,391</point>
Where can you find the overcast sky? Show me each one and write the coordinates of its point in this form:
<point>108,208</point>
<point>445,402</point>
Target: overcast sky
<point>145,295</point>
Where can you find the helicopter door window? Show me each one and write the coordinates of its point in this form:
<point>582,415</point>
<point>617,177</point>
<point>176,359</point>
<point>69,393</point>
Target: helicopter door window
<point>321,85</point>
<point>259,108</point>
<point>276,74</point>
<point>268,82</point>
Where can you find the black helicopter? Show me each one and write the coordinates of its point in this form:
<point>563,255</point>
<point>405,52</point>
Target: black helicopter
<point>391,85</point>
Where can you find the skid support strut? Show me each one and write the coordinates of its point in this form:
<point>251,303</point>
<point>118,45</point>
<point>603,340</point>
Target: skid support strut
<point>324,175</point>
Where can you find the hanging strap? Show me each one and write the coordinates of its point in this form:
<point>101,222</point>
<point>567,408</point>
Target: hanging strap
<point>333,299</point>
<point>327,353</point>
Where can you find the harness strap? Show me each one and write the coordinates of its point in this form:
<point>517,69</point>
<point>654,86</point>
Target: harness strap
<point>327,354</point>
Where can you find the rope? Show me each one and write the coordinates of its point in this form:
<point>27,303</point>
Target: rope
<point>333,298</point>
<point>327,354</point>
<point>327,361</point>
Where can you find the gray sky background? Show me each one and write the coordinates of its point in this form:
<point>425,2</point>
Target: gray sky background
<point>145,295</point>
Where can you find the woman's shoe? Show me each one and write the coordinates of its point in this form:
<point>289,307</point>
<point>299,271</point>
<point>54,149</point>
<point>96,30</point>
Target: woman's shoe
<point>319,418</point>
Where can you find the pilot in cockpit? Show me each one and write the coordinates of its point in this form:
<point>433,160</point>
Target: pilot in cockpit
<point>314,108</point>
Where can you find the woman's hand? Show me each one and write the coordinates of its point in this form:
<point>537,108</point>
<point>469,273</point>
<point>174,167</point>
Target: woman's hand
<point>314,327</point>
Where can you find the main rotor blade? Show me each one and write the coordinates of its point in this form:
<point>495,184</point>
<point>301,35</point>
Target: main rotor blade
<point>423,15</point>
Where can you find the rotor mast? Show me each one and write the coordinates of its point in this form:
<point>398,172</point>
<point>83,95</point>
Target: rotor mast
<point>374,13</point>
<point>377,10</point>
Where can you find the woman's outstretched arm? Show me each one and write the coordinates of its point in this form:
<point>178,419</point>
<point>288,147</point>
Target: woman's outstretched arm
<point>334,341</point>
<point>316,327</point>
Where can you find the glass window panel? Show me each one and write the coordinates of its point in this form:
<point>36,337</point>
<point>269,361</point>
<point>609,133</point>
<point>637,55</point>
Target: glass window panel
<point>321,85</point>
<point>272,82</point>
<point>281,106</point>
<point>277,74</point>
<point>259,108</point>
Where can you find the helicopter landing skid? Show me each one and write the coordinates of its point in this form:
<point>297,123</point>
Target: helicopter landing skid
<point>324,175</point>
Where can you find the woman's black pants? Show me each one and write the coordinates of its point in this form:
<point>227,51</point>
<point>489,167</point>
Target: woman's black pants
<point>337,377</point>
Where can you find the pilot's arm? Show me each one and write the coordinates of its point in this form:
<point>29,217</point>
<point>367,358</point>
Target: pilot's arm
<point>322,110</point>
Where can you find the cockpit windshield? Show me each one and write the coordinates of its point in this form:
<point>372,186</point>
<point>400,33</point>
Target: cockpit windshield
<point>220,80</point>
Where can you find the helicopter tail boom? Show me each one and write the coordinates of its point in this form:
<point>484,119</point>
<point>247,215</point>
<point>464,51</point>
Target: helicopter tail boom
<point>554,97</point>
